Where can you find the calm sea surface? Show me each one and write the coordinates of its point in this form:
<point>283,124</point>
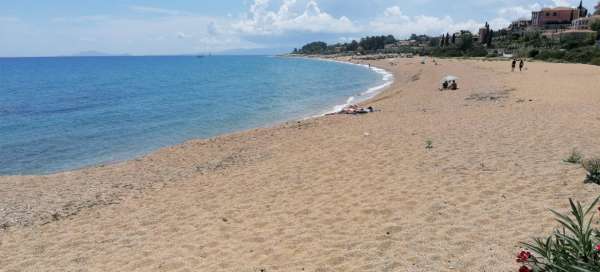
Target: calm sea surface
<point>65,113</point>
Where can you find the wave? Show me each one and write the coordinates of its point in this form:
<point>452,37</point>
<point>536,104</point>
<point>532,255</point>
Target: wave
<point>386,76</point>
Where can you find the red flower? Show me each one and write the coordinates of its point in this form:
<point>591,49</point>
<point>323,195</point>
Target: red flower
<point>525,269</point>
<point>598,247</point>
<point>523,256</point>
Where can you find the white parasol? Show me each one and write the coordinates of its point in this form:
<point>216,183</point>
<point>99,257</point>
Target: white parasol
<point>449,78</point>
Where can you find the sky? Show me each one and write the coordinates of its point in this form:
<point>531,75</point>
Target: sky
<point>171,27</point>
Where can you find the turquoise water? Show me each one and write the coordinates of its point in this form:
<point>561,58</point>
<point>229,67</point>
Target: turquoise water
<point>65,113</point>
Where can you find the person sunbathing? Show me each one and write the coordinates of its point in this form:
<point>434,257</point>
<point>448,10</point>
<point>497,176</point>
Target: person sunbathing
<point>354,109</point>
<point>445,85</point>
<point>453,85</point>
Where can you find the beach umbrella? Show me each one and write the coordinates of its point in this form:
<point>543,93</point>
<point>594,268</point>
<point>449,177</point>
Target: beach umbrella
<point>449,78</point>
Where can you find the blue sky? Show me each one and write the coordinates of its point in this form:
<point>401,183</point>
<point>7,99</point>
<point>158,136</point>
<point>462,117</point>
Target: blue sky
<point>66,27</point>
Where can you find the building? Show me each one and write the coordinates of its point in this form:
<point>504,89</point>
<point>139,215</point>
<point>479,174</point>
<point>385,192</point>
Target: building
<point>556,18</point>
<point>408,43</point>
<point>584,23</point>
<point>519,25</point>
<point>483,33</point>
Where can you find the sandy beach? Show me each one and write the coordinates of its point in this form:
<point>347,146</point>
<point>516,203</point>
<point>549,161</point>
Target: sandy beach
<point>336,193</point>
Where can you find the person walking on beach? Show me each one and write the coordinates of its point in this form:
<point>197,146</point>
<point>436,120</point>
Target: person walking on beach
<point>521,65</point>
<point>514,64</point>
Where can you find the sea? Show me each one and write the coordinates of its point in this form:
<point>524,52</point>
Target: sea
<point>65,113</point>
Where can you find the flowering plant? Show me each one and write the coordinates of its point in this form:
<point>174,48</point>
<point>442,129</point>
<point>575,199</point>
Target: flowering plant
<point>574,247</point>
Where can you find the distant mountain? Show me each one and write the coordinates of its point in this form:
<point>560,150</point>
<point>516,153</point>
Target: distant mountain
<point>96,54</point>
<point>256,51</point>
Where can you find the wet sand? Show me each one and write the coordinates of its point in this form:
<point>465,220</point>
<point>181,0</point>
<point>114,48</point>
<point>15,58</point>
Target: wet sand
<point>336,193</point>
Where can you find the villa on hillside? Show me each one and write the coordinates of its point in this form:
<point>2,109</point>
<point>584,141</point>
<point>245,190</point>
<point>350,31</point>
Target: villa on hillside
<point>558,22</point>
<point>519,25</point>
<point>584,23</point>
<point>557,18</point>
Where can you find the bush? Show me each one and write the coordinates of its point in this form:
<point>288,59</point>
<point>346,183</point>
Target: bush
<point>573,247</point>
<point>477,52</point>
<point>575,157</point>
<point>579,55</point>
<point>595,61</point>
<point>492,55</point>
<point>551,54</point>
<point>533,53</point>
<point>429,144</point>
<point>592,166</point>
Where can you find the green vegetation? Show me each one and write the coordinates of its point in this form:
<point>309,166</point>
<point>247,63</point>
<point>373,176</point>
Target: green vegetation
<point>573,247</point>
<point>313,48</point>
<point>592,166</point>
<point>365,46</point>
<point>576,47</point>
<point>595,26</point>
<point>429,144</point>
<point>575,157</point>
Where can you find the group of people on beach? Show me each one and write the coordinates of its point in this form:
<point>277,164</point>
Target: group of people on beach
<point>521,64</point>
<point>355,109</point>
<point>449,85</point>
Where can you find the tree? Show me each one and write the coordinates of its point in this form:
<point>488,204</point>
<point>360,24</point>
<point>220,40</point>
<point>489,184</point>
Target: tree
<point>390,39</point>
<point>490,37</point>
<point>595,25</point>
<point>376,42</point>
<point>466,41</point>
<point>454,38</point>
<point>353,46</point>
<point>447,39</point>
<point>314,48</point>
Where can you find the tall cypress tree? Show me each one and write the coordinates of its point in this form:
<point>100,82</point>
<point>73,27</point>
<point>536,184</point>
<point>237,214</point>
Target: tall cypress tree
<point>490,36</point>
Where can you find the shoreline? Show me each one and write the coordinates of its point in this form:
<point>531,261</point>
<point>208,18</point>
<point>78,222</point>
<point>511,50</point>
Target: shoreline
<point>335,193</point>
<point>55,213</point>
<point>370,93</point>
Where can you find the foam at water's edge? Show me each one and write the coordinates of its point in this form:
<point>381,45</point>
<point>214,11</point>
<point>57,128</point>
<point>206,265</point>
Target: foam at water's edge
<point>387,77</point>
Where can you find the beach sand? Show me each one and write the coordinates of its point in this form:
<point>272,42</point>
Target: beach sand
<point>337,193</point>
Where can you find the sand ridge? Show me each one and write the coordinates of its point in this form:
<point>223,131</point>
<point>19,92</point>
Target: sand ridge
<point>338,193</point>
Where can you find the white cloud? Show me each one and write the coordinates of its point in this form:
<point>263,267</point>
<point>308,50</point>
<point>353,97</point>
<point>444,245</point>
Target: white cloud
<point>563,3</point>
<point>262,21</point>
<point>396,23</point>
<point>212,29</point>
<point>182,35</point>
<point>393,11</point>
<point>518,12</point>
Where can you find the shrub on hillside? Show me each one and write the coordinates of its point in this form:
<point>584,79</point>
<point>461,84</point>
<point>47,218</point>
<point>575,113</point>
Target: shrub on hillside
<point>551,54</point>
<point>573,247</point>
<point>533,53</point>
<point>579,55</point>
